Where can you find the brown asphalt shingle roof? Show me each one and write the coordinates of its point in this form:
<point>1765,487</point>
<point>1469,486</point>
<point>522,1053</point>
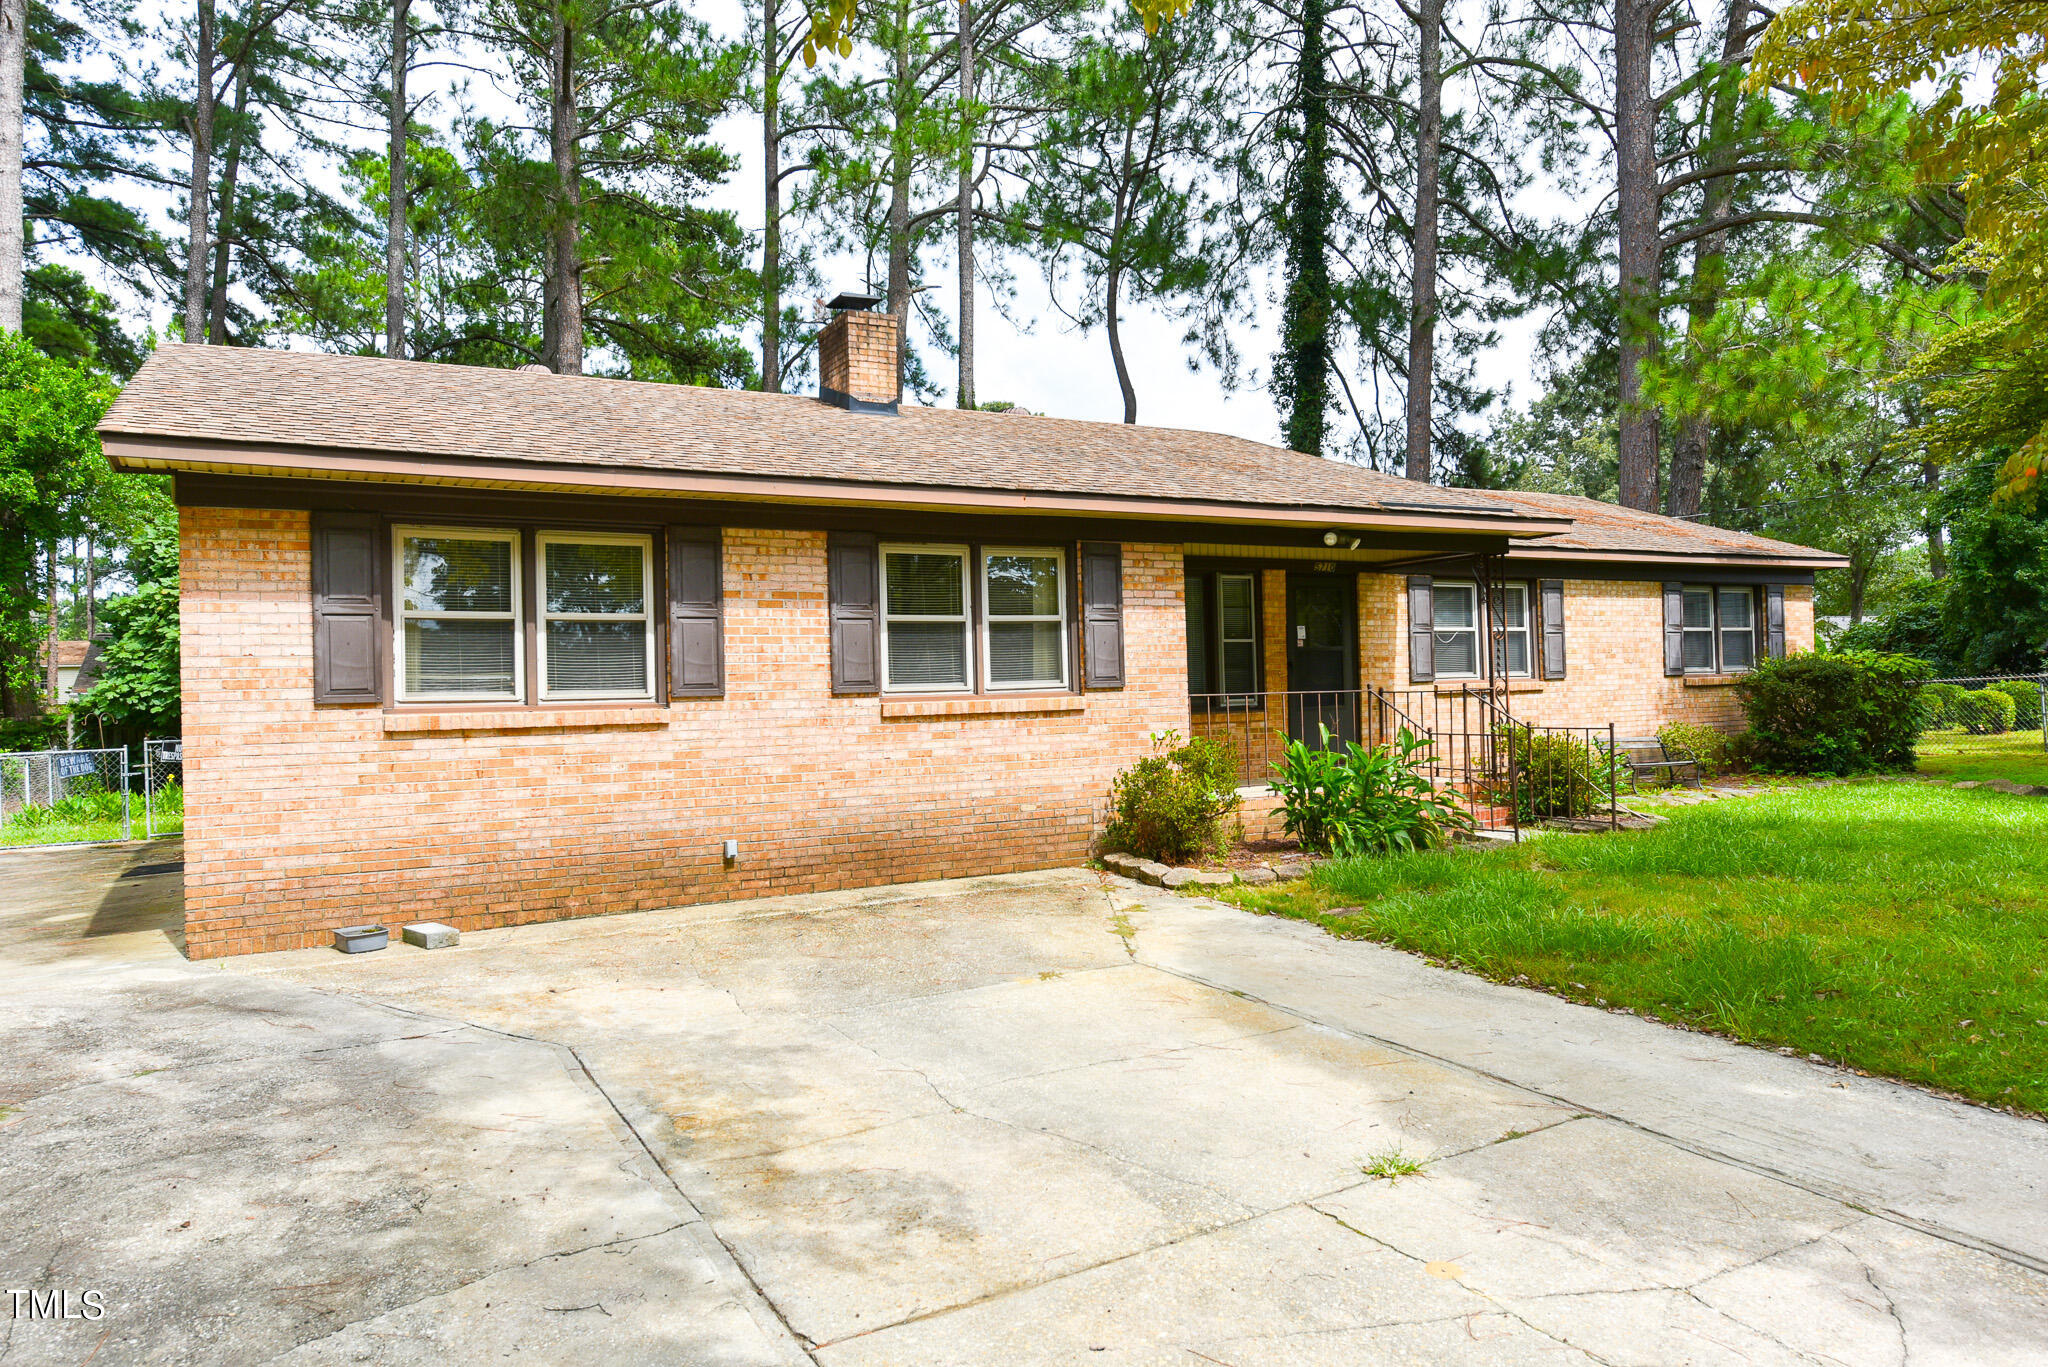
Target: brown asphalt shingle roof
<point>1598,527</point>
<point>247,395</point>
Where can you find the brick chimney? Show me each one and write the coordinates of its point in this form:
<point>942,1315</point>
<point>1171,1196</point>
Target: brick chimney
<point>858,358</point>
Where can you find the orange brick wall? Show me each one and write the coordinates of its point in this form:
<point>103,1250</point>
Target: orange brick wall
<point>1614,657</point>
<point>302,818</point>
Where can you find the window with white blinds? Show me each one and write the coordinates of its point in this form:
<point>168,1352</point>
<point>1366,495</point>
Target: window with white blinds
<point>596,637</point>
<point>457,637</point>
<point>1025,602</point>
<point>924,619</point>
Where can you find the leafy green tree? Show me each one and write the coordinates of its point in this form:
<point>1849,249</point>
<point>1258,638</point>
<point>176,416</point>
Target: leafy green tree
<point>138,686</point>
<point>607,170</point>
<point>51,473</point>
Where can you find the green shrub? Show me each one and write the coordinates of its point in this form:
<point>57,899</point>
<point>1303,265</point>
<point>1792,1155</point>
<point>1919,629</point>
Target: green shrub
<point>1561,774</point>
<point>2026,702</point>
<point>1358,801</point>
<point>1714,750</point>
<point>1836,714</point>
<point>1174,803</point>
<point>1938,705</point>
<point>1986,712</point>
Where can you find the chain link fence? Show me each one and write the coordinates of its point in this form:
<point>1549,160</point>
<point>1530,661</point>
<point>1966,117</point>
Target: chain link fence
<point>163,787</point>
<point>62,797</point>
<point>1987,714</point>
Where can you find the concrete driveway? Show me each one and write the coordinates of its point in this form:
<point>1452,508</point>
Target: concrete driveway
<point>1042,1119</point>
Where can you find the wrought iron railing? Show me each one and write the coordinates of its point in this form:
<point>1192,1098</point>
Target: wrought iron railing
<point>1508,772</point>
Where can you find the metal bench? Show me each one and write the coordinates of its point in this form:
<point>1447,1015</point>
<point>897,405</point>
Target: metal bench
<point>1672,760</point>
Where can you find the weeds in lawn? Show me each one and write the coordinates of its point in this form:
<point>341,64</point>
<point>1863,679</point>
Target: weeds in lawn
<point>1862,923</point>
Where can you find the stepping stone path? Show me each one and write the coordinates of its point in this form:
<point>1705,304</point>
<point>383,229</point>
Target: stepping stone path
<point>1166,876</point>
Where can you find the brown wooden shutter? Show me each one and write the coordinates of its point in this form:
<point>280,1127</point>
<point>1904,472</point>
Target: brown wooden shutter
<point>853,583</point>
<point>1774,621</point>
<point>348,608</point>
<point>1102,614</point>
<point>696,613</point>
<point>1421,629</point>
<point>1674,629</point>
<point>1550,598</point>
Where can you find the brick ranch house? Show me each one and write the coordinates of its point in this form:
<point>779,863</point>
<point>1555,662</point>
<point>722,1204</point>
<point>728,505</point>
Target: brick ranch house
<point>494,647</point>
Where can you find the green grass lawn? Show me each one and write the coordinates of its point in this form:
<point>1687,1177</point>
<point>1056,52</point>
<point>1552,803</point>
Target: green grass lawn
<point>1954,755</point>
<point>62,832</point>
<point>1894,927</point>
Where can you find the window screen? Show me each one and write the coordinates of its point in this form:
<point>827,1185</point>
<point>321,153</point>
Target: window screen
<point>1699,631</point>
<point>924,592</point>
<point>1457,629</point>
<point>1738,628</point>
<point>458,614</point>
<point>1511,604</point>
<point>1024,596</point>
<point>597,637</point>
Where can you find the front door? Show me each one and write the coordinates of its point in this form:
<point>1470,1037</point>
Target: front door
<point>1322,657</point>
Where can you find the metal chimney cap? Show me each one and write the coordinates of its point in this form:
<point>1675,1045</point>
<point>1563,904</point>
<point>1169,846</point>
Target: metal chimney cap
<point>850,302</point>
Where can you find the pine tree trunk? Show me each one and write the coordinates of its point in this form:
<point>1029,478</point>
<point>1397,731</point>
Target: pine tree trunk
<point>566,344</point>
<point>1429,131</point>
<point>1636,199</point>
<point>224,218</point>
<point>13,246</point>
<point>199,189</point>
<point>1303,368</point>
<point>902,97</point>
<point>771,215</point>
<point>1112,305</point>
<point>965,209</point>
<point>1709,268</point>
<point>1937,550</point>
<point>395,223</point>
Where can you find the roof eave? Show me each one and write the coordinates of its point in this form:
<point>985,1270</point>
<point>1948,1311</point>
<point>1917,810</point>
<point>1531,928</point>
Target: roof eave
<point>152,452</point>
<point>1802,560</point>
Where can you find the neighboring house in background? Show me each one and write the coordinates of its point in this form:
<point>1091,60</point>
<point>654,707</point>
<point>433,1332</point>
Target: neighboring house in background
<point>77,668</point>
<point>492,647</point>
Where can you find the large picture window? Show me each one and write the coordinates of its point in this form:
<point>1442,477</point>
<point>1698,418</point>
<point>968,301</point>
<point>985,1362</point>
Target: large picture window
<point>458,615</point>
<point>924,622</point>
<point>1024,597</point>
<point>596,639</point>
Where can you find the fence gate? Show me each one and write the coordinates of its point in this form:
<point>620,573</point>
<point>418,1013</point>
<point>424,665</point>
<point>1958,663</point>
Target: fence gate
<point>61,797</point>
<point>163,787</point>
<point>1983,715</point>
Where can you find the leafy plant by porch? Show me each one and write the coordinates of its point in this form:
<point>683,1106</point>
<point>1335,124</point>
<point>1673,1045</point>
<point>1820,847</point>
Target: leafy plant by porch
<point>1177,802</point>
<point>1893,927</point>
<point>1568,773</point>
<point>1358,801</point>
